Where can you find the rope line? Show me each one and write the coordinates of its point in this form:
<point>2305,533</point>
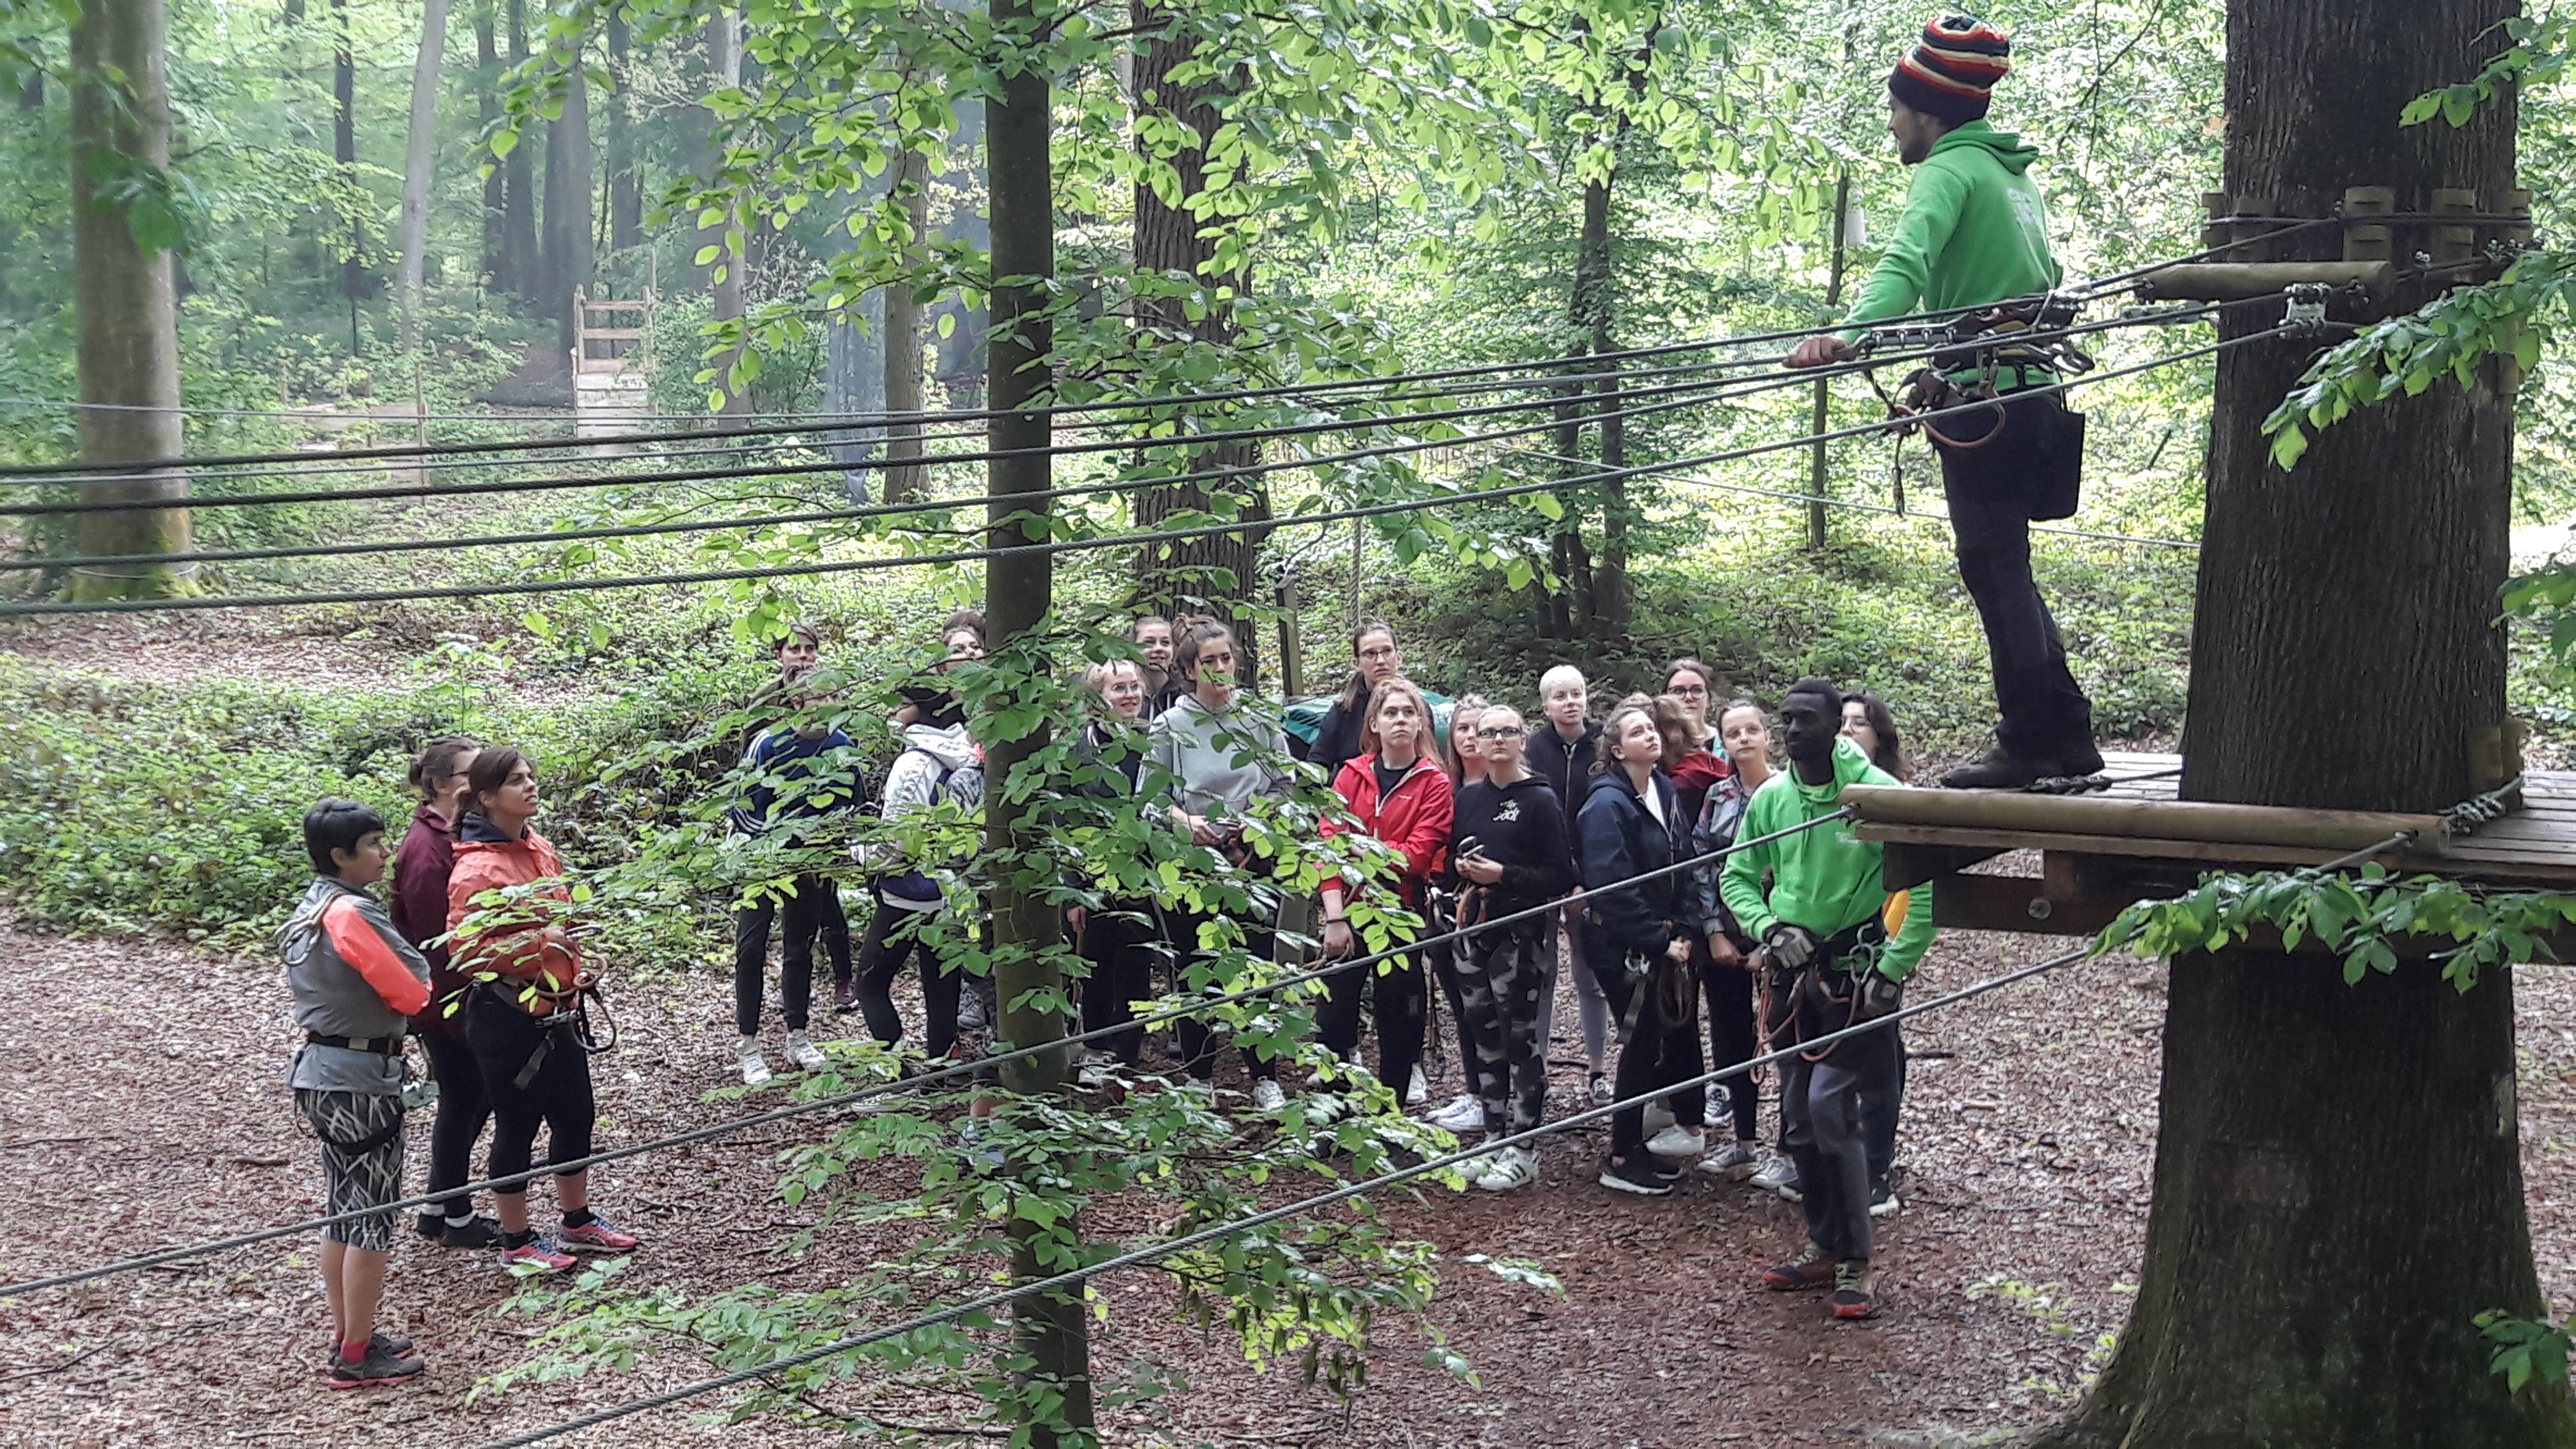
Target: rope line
<point>1138,1257</point>
<point>956,1071</point>
<point>1125,540</point>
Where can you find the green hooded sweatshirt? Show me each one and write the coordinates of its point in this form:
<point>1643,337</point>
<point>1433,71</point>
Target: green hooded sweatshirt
<point>1974,231</point>
<point>1825,879</point>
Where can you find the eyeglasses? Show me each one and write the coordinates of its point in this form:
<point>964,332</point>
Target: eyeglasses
<point>1499,732</point>
<point>1375,654</point>
<point>1689,691</point>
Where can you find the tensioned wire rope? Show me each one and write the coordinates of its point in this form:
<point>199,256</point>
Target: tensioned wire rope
<point>1567,403</point>
<point>904,1085</point>
<point>1718,391</point>
<point>1066,546</point>
<point>1864,506</point>
<point>1722,391</point>
<point>332,464</point>
<point>75,471</point>
<point>1079,1277</point>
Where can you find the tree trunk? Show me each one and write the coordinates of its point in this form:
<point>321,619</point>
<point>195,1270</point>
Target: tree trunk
<point>344,149</point>
<point>724,72</point>
<point>625,171</point>
<point>567,227</point>
<point>519,184</point>
<point>487,109</point>
<point>420,153</point>
<point>1605,615</point>
<point>2338,1177</point>
<point>126,309</point>
<point>1049,1330</point>
<point>906,483</point>
<point>1216,574</point>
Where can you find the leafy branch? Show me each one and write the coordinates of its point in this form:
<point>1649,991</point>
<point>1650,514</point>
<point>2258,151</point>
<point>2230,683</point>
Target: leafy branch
<point>2358,917</point>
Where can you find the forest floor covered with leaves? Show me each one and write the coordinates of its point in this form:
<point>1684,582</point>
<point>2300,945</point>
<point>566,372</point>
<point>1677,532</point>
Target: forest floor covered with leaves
<point>140,1108</point>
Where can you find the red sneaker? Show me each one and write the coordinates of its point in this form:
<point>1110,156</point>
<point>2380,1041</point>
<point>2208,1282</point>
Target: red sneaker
<point>599,1235</point>
<point>1855,1291</point>
<point>540,1253</point>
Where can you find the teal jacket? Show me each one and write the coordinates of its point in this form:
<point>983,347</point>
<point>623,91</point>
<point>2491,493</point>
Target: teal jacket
<point>1825,879</point>
<point>1974,231</point>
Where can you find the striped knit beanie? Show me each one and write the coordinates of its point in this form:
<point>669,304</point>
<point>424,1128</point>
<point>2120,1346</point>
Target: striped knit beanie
<point>1951,74</point>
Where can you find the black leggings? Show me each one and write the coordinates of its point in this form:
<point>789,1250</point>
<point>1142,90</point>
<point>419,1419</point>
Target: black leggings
<point>1118,942</point>
<point>557,1096</point>
<point>464,1110</point>
<point>894,938</point>
<point>1732,1039</point>
<point>1198,1043</point>
<point>1657,1048</point>
<point>1398,1000</point>
<point>812,905</point>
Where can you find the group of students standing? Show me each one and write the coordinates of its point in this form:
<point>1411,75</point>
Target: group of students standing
<point>1577,835</point>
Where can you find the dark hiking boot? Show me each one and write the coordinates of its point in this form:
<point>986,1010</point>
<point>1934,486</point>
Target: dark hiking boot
<point>1999,770</point>
<point>1634,1175</point>
<point>2079,757</point>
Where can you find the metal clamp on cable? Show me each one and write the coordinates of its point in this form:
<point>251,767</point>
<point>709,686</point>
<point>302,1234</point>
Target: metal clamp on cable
<point>2306,314</point>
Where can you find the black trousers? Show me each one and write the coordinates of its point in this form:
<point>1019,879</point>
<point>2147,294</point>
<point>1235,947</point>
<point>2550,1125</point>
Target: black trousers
<point>1118,942</point>
<point>1658,1046</point>
<point>1882,1098</point>
<point>1197,1042</point>
<point>1448,963</point>
<point>1732,1039</point>
<point>894,936</point>
<point>557,1096</point>
<point>464,1110</point>
<point>1398,1000</point>
<point>1989,490</point>
<point>1821,1104</point>
<point>812,906</point>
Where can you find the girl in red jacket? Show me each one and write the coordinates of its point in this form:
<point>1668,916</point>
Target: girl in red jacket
<point>1398,793</point>
<point>519,1013</point>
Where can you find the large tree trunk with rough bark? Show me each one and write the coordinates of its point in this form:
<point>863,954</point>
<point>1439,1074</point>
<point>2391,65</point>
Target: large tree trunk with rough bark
<point>124,300</point>
<point>568,201</point>
<point>2338,1186</point>
<point>725,280</point>
<point>1216,574</point>
<point>519,183</point>
<point>420,159</point>
<point>487,110</point>
<point>625,169</point>
<point>906,482</point>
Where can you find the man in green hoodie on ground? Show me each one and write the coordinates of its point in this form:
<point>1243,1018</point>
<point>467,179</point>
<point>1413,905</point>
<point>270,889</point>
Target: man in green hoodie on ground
<point>1976,232</point>
<point>1836,950</point>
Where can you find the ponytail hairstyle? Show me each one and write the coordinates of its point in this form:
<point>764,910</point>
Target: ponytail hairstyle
<point>1358,686</point>
<point>437,761</point>
<point>1673,722</point>
<point>1185,654</point>
<point>1604,761</point>
<point>492,770</point>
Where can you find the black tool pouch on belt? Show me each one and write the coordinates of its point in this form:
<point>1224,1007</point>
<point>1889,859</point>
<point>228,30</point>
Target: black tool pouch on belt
<point>2057,487</point>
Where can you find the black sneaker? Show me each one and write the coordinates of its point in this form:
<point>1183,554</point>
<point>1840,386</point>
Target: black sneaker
<point>482,1232</point>
<point>378,1367</point>
<point>378,1342</point>
<point>1999,770</point>
<point>429,1225</point>
<point>1634,1175</point>
<point>2079,758</point>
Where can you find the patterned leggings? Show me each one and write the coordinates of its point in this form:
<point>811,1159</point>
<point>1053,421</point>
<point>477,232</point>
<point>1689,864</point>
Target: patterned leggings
<point>1501,980</point>
<point>371,1121</point>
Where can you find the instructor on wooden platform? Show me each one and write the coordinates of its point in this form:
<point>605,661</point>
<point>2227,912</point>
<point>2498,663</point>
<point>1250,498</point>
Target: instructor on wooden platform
<point>1974,233</point>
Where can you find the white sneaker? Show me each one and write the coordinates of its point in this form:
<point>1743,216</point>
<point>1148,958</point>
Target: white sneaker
<point>1463,1114</point>
<point>807,1056</point>
<point>1508,1168</point>
<point>1266,1095</point>
<point>755,1072</point>
<point>1418,1090</point>
<point>1659,1116</point>
<point>1779,1175</point>
<point>1678,1142</point>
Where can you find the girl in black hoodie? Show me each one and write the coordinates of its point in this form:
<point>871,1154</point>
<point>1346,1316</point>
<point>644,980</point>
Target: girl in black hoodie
<point>1639,938</point>
<point>1511,855</point>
